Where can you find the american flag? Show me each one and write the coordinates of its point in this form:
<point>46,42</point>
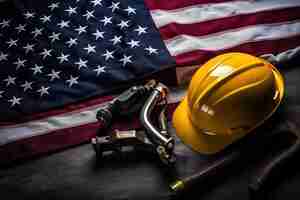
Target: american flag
<point>58,58</point>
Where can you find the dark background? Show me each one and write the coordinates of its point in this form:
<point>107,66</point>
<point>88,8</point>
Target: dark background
<point>75,174</point>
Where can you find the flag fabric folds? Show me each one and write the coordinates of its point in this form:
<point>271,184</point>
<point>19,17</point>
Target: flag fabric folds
<point>59,58</point>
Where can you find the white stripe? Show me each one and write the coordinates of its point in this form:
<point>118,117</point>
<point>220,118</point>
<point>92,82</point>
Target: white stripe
<point>205,12</point>
<point>227,39</point>
<point>67,120</point>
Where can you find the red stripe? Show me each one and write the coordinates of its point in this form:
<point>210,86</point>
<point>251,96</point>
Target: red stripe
<point>255,48</point>
<point>174,4</point>
<point>60,139</point>
<point>218,25</point>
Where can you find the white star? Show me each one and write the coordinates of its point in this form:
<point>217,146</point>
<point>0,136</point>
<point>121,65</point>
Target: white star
<point>37,32</point>
<point>3,56</point>
<point>36,69</point>
<point>4,23</point>
<point>96,2</point>
<point>141,30</point>
<point>116,39</point>
<point>98,34</point>
<point>90,49</point>
<point>71,42</point>
<point>10,80</point>
<point>46,53</point>
<point>71,10</point>
<point>43,90</point>
<point>72,80</point>
<point>46,18</point>
<point>54,36</point>
<point>63,24</point>
<point>89,14</point>
<point>126,59</point>
<point>27,86</point>
<point>99,69</point>
<point>14,101</point>
<point>114,6</point>
<point>1,92</point>
<point>123,24</point>
<point>151,50</point>
<point>133,43</point>
<point>28,47</point>
<point>130,10</point>
<point>81,29</point>
<point>106,20</point>
<point>11,43</point>
<point>54,75</point>
<point>20,28</point>
<point>20,63</point>
<point>63,58</point>
<point>81,63</point>
<point>108,54</point>
<point>29,15</point>
<point>53,6</point>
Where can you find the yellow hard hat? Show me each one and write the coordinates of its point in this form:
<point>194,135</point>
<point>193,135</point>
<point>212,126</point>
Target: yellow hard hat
<point>227,98</point>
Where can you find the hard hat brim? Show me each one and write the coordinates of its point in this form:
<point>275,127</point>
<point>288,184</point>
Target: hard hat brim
<point>192,137</point>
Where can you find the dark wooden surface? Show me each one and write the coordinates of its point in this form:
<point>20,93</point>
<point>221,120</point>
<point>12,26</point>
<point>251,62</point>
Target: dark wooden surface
<point>75,174</point>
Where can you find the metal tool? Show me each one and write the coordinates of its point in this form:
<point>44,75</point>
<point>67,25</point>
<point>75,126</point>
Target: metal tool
<point>259,180</point>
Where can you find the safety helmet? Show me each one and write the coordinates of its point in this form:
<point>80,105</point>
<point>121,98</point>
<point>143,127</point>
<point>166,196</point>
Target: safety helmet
<point>227,98</point>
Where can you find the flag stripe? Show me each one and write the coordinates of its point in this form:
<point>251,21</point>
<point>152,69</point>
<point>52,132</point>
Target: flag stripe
<point>212,26</point>
<point>255,48</point>
<point>231,38</point>
<point>205,12</point>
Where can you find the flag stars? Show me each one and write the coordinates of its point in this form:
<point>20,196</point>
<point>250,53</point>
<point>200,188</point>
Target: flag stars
<point>20,63</point>
<point>71,10</point>
<point>10,80</point>
<point>43,91</point>
<point>53,6</point>
<point>1,92</point>
<point>96,2</point>
<point>28,48</point>
<point>62,58</point>
<point>89,14</point>
<point>130,10</point>
<point>20,28</point>
<point>114,6</point>
<point>116,39</point>
<point>98,34</point>
<point>106,20</point>
<point>141,30</point>
<point>3,56</point>
<point>37,32</point>
<point>99,69</point>
<point>133,43</point>
<point>81,29</point>
<point>54,75</point>
<point>54,36</point>
<point>63,24</point>
<point>108,54</point>
<point>151,50</point>
<point>46,53</point>
<point>36,69</point>
<point>14,101</point>
<point>71,42</point>
<point>11,43</point>
<point>27,86</point>
<point>81,63</point>
<point>123,24</point>
<point>29,15</point>
<point>72,80</point>
<point>5,23</point>
<point>45,18</point>
<point>90,49</point>
<point>126,59</point>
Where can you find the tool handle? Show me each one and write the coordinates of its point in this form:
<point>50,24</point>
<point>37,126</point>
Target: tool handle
<point>258,181</point>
